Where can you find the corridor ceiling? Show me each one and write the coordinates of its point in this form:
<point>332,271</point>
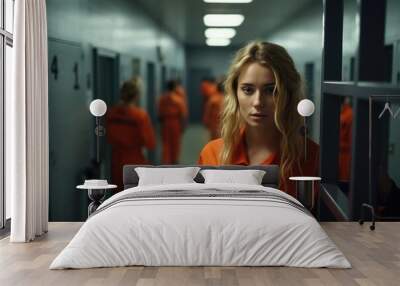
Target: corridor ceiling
<point>184,18</point>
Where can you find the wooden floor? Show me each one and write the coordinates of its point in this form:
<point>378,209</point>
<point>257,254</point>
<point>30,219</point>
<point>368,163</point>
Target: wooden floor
<point>375,256</point>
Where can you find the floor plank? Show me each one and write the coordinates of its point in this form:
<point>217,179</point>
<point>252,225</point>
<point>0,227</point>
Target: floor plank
<point>375,257</point>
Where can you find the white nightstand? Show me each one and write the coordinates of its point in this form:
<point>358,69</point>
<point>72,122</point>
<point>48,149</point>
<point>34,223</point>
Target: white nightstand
<point>96,194</point>
<point>305,190</point>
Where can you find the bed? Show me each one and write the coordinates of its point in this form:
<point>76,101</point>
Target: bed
<point>201,224</point>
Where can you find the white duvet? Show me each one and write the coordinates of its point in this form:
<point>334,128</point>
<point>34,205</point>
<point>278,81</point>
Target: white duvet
<point>183,231</point>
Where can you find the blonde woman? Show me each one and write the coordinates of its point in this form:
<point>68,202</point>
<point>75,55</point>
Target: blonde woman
<point>260,123</point>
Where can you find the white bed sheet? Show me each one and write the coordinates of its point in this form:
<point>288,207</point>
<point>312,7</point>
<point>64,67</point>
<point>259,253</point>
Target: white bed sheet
<point>200,231</point>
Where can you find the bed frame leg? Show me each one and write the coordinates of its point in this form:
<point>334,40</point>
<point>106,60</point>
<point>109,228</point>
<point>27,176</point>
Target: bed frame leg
<point>371,208</point>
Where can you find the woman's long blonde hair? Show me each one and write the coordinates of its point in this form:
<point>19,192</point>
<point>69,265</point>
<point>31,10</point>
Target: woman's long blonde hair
<point>288,92</point>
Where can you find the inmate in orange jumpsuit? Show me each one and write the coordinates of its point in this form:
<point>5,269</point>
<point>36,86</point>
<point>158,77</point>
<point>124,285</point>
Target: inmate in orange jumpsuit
<point>172,112</point>
<point>129,129</point>
<point>207,89</point>
<point>346,120</point>
<point>181,91</point>
<point>210,156</point>
<point>212,114</point>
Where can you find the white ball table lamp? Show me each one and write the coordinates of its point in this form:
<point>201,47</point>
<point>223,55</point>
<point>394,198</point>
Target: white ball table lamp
<point>305,108</point>
<point>305,185</point>
<point>98,108</point>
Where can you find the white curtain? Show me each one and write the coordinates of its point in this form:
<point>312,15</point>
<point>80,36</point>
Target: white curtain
<point>27,124</point>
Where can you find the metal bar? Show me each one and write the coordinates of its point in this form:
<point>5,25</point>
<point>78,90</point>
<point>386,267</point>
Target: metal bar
<point>362,91</point>
<point>372,210</point>
<point>370,151</point>
<point>329,138</point>
<point>371,47</point>
<point>364,84</point>
<point>378,144</point>
<point>327,198</point>
<point>332,40</point>
<point>397,96</point>
<point>359,161</point>
<point>331,69</point>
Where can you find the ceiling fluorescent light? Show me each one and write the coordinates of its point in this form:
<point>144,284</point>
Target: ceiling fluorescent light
<point>228,1</point>
<point>223,20</point>
<point>220,33</point>
<point>217,42</point>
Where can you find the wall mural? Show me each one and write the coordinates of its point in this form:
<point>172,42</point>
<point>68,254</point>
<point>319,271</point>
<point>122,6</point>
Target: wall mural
<point>164,98</point>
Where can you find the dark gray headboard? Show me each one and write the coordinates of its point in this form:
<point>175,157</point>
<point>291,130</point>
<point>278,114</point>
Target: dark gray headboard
<point>270,179</point>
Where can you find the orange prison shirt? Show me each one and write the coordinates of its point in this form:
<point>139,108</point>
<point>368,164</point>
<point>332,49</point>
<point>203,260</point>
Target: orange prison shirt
<point>212,114</point>
<point>172,113</point>
<point>181,91</point>
<point>346,121</point>
<point>210,156</point>
<point>207,89</point>
<point>129,129</point>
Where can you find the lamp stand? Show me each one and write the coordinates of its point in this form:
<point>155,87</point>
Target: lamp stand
<point>99,131</point>
<point>305,138</point>
<point>97,141</point>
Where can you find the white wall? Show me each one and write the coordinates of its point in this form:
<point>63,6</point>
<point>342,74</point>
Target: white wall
<point>217,59</point>
<point>120,26</point>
